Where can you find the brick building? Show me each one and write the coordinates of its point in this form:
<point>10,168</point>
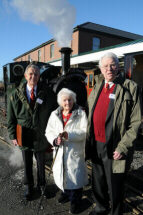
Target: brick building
<point>85,38</point>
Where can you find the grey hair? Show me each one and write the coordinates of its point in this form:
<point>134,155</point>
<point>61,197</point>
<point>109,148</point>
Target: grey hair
<point>109,55</point>
<point>32,66</point>
<point>65,92</point>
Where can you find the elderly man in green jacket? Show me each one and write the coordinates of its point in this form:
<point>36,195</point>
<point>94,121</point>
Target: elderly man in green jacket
<point>29,106</point>
<point>113,122</point>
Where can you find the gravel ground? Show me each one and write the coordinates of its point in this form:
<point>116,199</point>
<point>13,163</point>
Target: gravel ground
<point>12,190</point>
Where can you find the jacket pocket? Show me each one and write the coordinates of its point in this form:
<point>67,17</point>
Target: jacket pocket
<point>118,166</point>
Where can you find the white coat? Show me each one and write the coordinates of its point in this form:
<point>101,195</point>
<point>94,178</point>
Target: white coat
<point>69,169</point>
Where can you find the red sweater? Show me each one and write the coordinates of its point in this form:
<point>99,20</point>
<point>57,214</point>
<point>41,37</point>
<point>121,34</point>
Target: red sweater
<point>66,118</point>
<point>100,113</point>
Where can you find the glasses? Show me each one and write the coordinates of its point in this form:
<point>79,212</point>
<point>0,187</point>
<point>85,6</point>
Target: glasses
<point>111,66</point>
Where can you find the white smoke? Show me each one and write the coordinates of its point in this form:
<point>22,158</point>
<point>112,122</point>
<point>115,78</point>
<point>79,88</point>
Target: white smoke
<point>15,158</point>
<point>57,15</point>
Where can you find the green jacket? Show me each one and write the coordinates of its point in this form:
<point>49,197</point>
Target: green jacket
<point>126,119</point>
<point>32,121</point>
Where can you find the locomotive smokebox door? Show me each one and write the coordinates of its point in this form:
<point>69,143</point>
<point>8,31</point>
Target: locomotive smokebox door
<point>72,78</point>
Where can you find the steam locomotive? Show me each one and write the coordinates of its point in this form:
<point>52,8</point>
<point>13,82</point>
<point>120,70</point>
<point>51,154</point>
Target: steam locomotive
<point>54,76</point>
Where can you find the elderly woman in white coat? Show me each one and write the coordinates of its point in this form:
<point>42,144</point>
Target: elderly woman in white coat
<point>66,131</point>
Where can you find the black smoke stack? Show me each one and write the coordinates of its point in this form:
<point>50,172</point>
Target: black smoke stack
<point>65,56</point>
<point>71,78</point>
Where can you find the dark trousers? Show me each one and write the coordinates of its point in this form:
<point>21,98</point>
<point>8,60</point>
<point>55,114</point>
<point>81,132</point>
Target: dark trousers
<point>74,195</point>
<point>28,167</point>
<point>106,185</point>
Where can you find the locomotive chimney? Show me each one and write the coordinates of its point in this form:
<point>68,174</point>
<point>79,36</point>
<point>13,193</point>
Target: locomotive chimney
<point>65,56</point>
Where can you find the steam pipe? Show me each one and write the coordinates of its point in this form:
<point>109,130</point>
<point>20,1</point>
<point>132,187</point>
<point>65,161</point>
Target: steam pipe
<point>65,56</point>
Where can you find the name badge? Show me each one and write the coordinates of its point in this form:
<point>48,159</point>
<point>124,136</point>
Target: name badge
<point>112,96</point>
<point>40,101</point>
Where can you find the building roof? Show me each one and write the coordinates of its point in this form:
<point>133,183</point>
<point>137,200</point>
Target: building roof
<point>108,30</point>
<point>37,47</point>
<point>120,50</point>
<point>92,27</point>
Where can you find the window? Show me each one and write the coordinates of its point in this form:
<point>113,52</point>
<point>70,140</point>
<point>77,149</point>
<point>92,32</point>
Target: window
<point>52,51</point>
<point>29,57</point>
<point>39,55</point>
<point>91,80</point>
<point>95,43</point>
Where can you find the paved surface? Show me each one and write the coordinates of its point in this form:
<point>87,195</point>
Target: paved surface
<point>12,189</point>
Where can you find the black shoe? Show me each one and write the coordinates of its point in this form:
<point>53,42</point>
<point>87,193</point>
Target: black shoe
<point>74,208</point>
<point>63,199</point>
<point>28,192</point>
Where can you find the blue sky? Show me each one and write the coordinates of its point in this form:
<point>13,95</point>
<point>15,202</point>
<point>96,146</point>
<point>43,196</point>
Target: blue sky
<point>18,35</point>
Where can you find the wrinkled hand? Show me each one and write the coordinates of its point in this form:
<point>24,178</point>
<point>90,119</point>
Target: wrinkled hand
<point>64,135</point>
<point>61,137</point>
<point>15,142</point>
<point>117,155</point>
<point>59,140</point>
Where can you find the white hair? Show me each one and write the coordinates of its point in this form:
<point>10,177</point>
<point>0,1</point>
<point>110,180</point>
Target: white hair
<point>32,66</point>
<point>65,92</point>
<point>109,55</point>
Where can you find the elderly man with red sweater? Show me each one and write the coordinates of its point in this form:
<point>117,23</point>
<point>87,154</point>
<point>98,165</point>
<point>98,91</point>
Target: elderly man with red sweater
<point>113,122</point>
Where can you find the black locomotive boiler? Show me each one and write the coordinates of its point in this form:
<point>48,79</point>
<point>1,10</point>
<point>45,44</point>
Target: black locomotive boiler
<point>71,78</point>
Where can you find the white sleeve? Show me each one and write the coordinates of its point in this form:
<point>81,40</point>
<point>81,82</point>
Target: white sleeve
<point>50,131</point>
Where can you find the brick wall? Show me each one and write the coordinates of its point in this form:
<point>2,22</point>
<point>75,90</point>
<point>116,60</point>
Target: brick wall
<point>81,42</point>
